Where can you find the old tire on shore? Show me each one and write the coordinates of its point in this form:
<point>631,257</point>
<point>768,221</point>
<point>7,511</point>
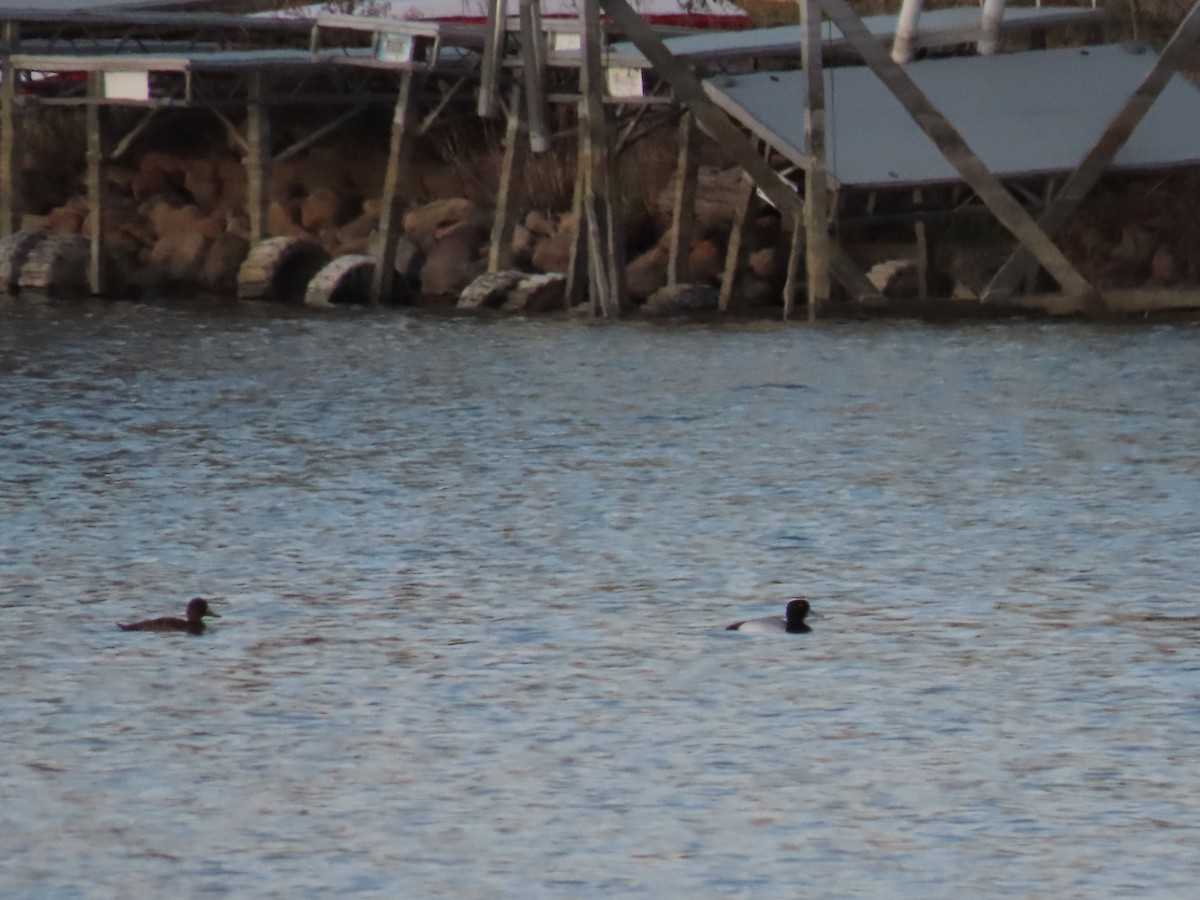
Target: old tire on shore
<point>280,268</point>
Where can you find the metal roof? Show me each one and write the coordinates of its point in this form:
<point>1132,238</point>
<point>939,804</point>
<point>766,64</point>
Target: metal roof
<point>16,9</point>
<point>936,27</point>
<point>1030,113</point>
<point>235,60</point>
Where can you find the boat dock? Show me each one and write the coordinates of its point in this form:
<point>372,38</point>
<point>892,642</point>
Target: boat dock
<point>920,106</point>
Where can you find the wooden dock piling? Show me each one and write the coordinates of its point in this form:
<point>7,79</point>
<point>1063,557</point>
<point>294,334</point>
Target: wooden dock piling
<point>258,156</point>
<point>384,277</point>
<point>816,208</point>
<point>683,207</point>
<point>97,186</point>
<point>10,145</point>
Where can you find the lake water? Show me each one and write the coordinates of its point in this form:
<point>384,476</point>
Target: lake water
<point>473,576</point>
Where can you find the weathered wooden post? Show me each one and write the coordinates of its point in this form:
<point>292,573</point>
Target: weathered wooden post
<point>500,250</point>
<point>494,40</point>
<point>989,26</point>
<point>258,157</point>
<point>533,60</point>
<point>737,233</point>
<point>683,209</point>
<point>732,141</point>
<point>816,196</point>
<point>384,277</point>
<point>906,30</point>
<point>10,143</point>
<point>97,201</point>
<point>577,266</point>
<point>606,244</point>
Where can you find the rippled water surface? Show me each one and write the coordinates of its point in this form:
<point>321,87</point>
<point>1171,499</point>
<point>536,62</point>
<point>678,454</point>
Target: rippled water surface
<point>473,577</point>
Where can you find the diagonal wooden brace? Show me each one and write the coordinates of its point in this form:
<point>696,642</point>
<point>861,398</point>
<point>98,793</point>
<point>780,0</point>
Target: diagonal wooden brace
<point>717,125</point>
<point>987,186</point>
<point>1102,153</point>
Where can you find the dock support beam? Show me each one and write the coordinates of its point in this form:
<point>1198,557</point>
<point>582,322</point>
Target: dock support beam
<point>737,234</point>
<point>257,159</point>
<point>606,241</point>
<point>683,209</point>
<point>816,188</point>
<point>533,59</point>
<point>958,153</point>
<point>500,251</point>
<point>577,264</point>
<point>10,143</point>
<point>906,30</point>
<point>384,277</point>
<point>97,201</point>
<point>1178,49</point>
<point>494,40</point>
<point>989,25</point>
<point>732,141</point>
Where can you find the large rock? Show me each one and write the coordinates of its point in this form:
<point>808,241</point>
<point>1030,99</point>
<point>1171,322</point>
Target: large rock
<point>281,221</point>
<point>358,228</point>
<point>180,255</point>
<point>322,209</point>
<point>68,218</point>
<point>681,298</point>
<point>647,273</point>
<point>202,182</point>
<point>326,167</point>
<point>706,262</point>
<point>718,195</point>
<point>158,173</point>
<point>169,219</point>
<point>553,254</point>
<point>450,265</point>
<point>423,223</point>
<point>232,175</point>
<point>224,259</point>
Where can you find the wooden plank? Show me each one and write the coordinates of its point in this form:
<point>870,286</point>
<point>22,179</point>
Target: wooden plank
<point>97,201</point>
<point>1100,156</point>
<point>729,137</point>
<point>10,142</point>
<point>683,204</point>
<point>987,186</point>
<point>493,60</point>
<point>500,249</point>
<point>258,138</point>
<point>384,277</point>
<point>816,192</point>
<point>533,60</point>
<point>606,245</point>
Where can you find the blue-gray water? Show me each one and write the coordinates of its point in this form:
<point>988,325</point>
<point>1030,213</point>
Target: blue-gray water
<point>473,578</point>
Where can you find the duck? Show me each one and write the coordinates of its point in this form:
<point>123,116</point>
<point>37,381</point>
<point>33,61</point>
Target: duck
<point>792,622</point>
<point>197,609</point>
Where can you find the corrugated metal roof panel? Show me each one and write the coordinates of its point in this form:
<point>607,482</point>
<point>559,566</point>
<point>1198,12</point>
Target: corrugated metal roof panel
<point>1028,113</point>
<point>936,26</point>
